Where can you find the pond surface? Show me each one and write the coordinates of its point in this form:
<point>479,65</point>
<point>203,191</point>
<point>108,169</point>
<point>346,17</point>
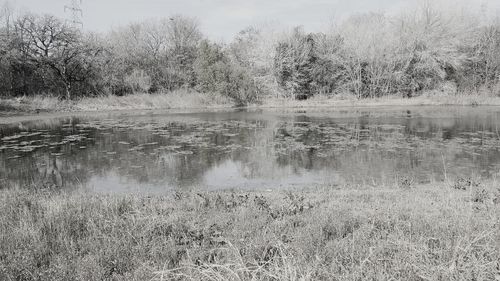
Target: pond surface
<point>156,151</point>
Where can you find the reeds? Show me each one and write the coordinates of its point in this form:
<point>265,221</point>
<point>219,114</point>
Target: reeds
<point>426,99</point>
<point>181,99</point>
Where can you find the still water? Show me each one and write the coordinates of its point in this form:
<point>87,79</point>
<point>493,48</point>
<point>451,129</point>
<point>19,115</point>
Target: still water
<point>158,151</point>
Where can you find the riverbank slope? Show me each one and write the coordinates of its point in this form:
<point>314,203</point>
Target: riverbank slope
<point>194,100</point>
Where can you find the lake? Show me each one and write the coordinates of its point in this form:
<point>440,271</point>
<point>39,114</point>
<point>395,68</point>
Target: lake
<point>158,151</point>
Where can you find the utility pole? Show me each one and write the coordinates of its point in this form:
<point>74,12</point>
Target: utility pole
<point>484,11</point>
<point>76,13</point>
<point>6,13</point>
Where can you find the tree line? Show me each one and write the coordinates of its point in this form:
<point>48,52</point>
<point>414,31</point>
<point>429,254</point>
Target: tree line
<point>367,55</point>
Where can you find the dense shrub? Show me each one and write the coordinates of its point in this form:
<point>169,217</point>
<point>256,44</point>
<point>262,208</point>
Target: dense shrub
<point>309,63</point>
<point>217,73</point>
<point>372,55</point>
<point>482,67</point>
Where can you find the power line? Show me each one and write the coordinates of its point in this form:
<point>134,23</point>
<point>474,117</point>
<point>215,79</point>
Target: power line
<point>76,13</point>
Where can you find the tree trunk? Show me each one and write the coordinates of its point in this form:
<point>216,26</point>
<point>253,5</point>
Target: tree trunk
<point>68,90</point>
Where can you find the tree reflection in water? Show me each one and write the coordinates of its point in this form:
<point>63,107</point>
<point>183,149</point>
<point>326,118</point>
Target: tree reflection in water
<point>249,149</point>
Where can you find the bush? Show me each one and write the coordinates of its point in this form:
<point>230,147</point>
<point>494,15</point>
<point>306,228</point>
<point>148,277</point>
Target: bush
<point>215,72</point>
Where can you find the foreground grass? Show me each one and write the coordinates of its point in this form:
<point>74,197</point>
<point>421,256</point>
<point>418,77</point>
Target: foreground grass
<point>432,232</point>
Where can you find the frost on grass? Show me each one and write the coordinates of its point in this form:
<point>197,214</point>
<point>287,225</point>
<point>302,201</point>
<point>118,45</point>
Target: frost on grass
<point>426,233</point>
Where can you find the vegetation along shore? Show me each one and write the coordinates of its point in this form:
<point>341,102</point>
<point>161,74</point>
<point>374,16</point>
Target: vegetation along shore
<point>429,51</point>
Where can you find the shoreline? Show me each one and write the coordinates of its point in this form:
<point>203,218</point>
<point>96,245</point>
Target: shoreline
<point>27,111</point>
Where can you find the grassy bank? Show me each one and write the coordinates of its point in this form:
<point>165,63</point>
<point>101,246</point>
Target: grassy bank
<point>431,232</point>
<point>171,100</point>
<point>193,100</point>
<point>472,99</point>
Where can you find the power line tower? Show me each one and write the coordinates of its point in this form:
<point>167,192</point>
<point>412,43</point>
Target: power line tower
<point>484,10</point>
<point>76,13</point>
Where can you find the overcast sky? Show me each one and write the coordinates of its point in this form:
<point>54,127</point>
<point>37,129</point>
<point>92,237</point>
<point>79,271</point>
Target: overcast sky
<point>221,19</point>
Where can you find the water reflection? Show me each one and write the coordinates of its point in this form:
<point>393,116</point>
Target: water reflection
<point>260,149</point>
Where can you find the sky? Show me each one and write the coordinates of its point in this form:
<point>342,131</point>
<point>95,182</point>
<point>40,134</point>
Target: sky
<point>222,19</point>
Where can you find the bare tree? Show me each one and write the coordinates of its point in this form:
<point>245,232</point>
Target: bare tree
<point>165,49</point>
<point>48,42</point>
<point>183,33</point>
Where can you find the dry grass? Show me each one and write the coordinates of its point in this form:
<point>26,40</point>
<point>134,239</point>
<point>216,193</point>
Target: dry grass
<point>431,232</point>
<point>427,99</point>
<point>191,100</point>
<point>34,104</point>
<point>173,100</point>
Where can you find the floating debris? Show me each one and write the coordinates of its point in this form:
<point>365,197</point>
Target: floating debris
<point>136,148</point>
<point>15,137</point>
<point>149,144</point>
